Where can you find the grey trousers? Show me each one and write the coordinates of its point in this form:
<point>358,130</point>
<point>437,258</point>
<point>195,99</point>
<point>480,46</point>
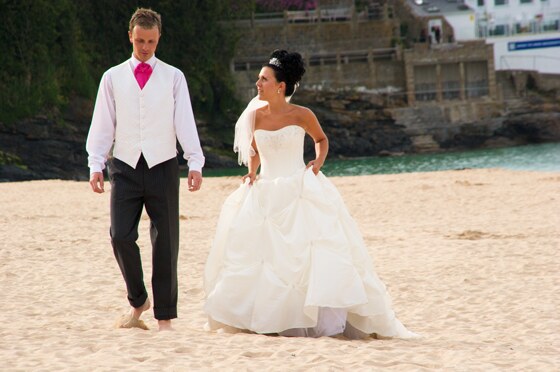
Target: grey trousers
<point>156,189</point>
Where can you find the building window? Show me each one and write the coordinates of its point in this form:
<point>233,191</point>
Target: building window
<point>526,1</point>
<point>425,83</point>
<point>500,2</point>
<point>450,81</point>
<point>480,2</point>
<point>476,79</point>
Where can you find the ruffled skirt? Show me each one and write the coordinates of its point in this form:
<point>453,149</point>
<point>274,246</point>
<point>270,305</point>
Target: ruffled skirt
<point>288,258</point>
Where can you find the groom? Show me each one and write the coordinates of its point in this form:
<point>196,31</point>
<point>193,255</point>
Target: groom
<point>142,108</point>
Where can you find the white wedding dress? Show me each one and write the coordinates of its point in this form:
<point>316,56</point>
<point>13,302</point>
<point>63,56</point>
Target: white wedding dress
<point>288,258</point>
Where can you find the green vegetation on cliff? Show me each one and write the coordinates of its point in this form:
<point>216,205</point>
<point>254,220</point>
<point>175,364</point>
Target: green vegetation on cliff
<point>54,49</point>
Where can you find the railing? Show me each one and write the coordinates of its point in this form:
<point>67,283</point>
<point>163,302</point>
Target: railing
<point>425,92</point>
<point>322,59</point>
<point>428,92</point>
<point>322,15</point>
<point>266,16</point>
<point>325,14</point>
<point>451,90</point>
<point>505,27</point>
<point>476,89</point>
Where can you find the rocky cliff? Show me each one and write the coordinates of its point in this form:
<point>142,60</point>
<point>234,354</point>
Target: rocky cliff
<point>357,124</point>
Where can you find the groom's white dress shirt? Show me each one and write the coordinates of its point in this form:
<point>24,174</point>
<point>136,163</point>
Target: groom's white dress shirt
<point>149,119</point>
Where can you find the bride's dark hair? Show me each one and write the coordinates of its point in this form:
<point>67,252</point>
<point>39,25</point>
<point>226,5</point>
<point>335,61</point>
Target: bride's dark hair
<point>288,67</point>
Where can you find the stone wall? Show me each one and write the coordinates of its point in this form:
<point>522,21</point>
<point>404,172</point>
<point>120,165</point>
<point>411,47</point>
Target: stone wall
<point>520,83</point>
<point>313,38</point>
<point>366,55</point>
<point>376,74</point>
<point>448,54</point>
<point>338,54</point>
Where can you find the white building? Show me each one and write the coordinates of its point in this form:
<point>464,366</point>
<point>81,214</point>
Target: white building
<point>512,17</point>
<point>525,33</point>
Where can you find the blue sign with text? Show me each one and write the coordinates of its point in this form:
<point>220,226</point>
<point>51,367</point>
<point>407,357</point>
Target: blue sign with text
<point>533,44</point>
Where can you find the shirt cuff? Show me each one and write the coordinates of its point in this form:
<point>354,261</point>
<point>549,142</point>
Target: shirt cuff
<point>95,168</point>
<point>195,162</point>
<point>195,168</point>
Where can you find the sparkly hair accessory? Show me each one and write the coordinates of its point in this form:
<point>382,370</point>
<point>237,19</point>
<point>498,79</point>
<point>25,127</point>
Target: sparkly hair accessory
<point>275,62</point>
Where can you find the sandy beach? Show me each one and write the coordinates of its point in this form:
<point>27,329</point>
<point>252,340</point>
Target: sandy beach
<point>470,258</point>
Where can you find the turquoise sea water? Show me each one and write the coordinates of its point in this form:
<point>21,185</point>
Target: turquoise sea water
<point>541,157</point>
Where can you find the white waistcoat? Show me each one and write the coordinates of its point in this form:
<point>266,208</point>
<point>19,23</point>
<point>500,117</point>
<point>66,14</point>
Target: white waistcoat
<point>144,117</point>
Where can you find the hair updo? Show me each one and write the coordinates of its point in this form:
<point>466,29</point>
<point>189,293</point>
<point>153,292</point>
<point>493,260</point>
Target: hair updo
<point>288,68</point>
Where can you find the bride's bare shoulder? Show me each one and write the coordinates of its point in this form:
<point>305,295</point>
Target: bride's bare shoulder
<point>303,112</point>
<point>300,110</point>
<point>260,112</point>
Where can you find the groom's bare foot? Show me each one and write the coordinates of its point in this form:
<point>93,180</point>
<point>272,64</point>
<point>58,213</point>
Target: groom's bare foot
<point>136,312</point>
<point>132,319</point>
<point>165,325</point>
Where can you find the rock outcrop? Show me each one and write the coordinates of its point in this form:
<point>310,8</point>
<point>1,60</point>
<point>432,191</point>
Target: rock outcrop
<point>357,124</point>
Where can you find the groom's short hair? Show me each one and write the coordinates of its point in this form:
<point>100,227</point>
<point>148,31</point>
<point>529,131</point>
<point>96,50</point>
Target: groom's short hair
<point>145,18</point>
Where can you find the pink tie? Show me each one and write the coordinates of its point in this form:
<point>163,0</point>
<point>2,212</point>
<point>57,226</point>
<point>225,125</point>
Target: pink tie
<point>142,73</point>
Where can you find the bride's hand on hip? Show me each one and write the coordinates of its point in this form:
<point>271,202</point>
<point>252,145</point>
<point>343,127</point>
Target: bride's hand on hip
<point>251,176</point>
<point>315,166</point>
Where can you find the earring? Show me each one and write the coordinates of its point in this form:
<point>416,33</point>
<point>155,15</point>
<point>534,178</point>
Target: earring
<point>278,91</point>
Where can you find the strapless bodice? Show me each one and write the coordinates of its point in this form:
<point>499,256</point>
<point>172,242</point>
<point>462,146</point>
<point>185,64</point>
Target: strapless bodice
<point>281,151</point>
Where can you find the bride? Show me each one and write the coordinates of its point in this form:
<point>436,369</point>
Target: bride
<point>287,257</point>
